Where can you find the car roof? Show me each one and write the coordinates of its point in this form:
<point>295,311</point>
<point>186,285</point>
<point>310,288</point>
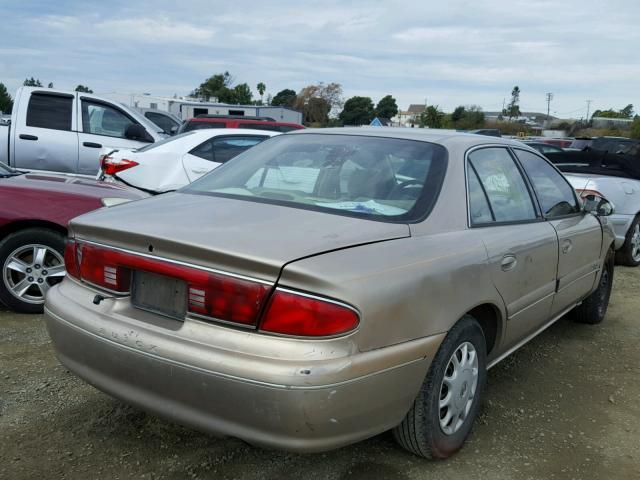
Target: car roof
<point>252,121</point>
<point>434,135</point>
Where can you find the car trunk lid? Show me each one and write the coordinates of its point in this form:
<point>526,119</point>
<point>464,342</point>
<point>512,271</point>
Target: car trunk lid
<point>242,237</point>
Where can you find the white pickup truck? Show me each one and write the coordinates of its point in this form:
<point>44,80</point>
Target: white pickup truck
<point>61,131</point>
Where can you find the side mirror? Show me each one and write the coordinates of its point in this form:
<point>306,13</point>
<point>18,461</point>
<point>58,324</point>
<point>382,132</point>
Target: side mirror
<point>136,132</point>
<point>173,130</point>
<point>598,206</point>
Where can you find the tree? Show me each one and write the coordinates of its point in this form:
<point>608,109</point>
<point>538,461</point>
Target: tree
<point>318,101</point>
<point>32,82</point>
<point>467,118</point>
<point>261,87</point>
<point>513,109</point>
<point>432,117</point>
<point>635,127</point>
<point>284,98</point>
<point>50,85</point>
<point>83,88</point>
<point>241,94</point>
<point>6,103</point>
<point>626,112</point>
<point>216,86</point>
<point>357,111</point>
<point>387,107</point>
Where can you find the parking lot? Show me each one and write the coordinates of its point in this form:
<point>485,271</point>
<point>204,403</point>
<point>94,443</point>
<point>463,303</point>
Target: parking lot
<point>565,406</point>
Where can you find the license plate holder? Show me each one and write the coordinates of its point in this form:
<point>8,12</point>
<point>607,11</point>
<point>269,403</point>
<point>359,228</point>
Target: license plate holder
<point>159,294</point>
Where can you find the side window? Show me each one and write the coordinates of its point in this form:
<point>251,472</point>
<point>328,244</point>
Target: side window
<point>479,209</point>
<point>204,150</point>
<point>163,121</point>
<point>50,111</point>
<point>226,148</point>
<point>506,190</point>
<point>554,192</point>
<point>102,119</point>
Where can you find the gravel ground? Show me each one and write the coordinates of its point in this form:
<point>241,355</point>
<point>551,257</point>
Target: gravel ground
<point>566,406</point>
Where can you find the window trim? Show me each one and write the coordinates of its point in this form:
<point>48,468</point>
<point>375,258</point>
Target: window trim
<point>107,104</point>
<point>534,199</point>
<point>580,211</point>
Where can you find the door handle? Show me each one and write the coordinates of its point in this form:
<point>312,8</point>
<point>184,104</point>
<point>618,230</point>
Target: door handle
<point>508,262</point>
<point>91,145</point>
<point>24,136</point>
<point>567,246</point>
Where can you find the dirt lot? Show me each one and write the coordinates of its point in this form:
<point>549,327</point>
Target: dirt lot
<point>565,406</point>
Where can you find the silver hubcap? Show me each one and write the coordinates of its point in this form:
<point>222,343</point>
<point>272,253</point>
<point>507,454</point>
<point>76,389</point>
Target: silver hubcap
<point>31,270</point>
<point>458,389</point>
<point>635,243</point>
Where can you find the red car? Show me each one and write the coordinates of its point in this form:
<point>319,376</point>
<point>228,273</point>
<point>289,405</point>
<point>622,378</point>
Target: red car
<point>253,123</point>
<point>34,212</point>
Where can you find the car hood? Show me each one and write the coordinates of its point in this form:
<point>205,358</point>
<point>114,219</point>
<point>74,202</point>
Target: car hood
<point>242,237</point>
<point>70,185</point>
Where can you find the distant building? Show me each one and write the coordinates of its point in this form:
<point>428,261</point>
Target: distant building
<point>188,107</point>
<point>410,116</point>
<point>605,122</point>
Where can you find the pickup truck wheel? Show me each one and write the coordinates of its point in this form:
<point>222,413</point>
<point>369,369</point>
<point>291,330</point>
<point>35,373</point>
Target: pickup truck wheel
<point>32,262</point>
<point>447,404</point>
<point>593,309</point>
<point>629,253</point>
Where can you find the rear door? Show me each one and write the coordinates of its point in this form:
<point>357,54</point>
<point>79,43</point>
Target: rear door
<point>522,247</point>
<point>579,233</point>
<point>46,136</point>
<point>216,151</point>
<point>102,125</point>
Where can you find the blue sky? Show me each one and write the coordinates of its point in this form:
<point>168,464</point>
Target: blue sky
<point>449,53</point>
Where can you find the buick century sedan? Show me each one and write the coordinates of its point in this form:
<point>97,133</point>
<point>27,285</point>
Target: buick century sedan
<point>329,285</point>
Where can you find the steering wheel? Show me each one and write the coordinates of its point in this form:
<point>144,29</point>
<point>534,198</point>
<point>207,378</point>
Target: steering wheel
<point>402,185</point>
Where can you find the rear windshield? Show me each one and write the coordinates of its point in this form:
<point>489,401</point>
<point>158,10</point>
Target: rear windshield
<point>378,178</point>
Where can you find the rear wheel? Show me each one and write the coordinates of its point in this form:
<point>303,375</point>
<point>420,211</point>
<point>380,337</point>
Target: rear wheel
<point>32,262</point>
<point>593,309</point>
<point>629,253</point>
<point>447,404</point>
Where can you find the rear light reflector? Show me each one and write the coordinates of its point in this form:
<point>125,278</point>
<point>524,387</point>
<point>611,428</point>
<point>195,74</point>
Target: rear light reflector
<point>104,268</point>
<point>71,259</point>
<point>290,313</point>
<point>111,166</point>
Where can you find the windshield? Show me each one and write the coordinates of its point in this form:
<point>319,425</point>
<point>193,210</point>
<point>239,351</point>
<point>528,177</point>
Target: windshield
<point>373,177</point>
<point>164,141</point>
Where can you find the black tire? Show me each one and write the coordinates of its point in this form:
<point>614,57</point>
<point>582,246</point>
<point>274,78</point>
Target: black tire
<point>420,432</point>
<point>624,255</point>
<point>54,243</point>
<point>593,308</point>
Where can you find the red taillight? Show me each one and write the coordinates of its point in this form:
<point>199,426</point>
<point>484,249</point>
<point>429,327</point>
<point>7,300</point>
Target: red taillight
<point>104,268</point>
<point>289,313</point>
<point>111,166</point>
<point>71,259</point>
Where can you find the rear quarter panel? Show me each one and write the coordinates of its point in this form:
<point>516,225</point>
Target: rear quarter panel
<point>404,289</point>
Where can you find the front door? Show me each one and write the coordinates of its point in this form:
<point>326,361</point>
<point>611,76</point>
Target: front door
<point>522,247</point>
<point>102,126</point>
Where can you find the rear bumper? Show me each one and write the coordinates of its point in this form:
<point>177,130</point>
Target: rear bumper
<point>343,400</point>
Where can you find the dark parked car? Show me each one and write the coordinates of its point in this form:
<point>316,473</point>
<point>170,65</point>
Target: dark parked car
<point>603,144</point>
<point>544,148</point>
<point>34,212</point>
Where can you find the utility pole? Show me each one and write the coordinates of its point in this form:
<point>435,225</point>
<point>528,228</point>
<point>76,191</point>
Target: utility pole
<point>549,98</point>
<point>588,105</point>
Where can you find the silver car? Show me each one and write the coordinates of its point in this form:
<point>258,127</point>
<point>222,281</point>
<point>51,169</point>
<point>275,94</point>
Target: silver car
<point>328,285</point>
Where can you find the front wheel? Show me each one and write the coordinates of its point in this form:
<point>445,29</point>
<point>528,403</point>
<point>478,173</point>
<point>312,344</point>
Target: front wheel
<point>32,262</point>
<point>447,404</point>
<point>629,253</point>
